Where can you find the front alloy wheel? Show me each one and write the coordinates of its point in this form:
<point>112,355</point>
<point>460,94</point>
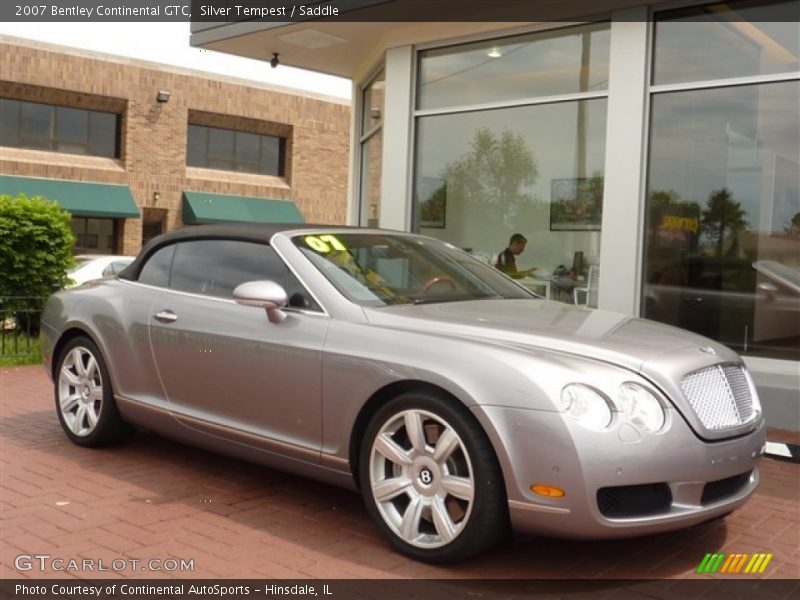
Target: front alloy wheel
<point>421,478</point>
<point>431,480</point>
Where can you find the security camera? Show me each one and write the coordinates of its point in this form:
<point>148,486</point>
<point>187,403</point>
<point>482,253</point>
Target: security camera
<point>275,60</point>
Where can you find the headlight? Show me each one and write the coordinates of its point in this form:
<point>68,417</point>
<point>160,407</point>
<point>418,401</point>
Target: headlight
<point>641,406</point>
<point>586,406</point>
<point>753,392</point>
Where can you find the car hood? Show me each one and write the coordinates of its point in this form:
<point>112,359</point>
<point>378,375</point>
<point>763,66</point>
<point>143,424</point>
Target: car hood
<point>601,335</point>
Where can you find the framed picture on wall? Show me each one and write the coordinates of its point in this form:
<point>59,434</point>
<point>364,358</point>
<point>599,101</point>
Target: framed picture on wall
<point>576,204</point>
<point>432,194</point>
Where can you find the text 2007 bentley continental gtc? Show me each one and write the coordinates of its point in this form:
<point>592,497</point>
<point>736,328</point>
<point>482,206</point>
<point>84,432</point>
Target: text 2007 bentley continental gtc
<point>458,402</point>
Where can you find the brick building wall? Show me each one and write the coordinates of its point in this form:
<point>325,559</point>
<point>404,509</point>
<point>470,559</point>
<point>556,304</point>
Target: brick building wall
<point>152,158</point>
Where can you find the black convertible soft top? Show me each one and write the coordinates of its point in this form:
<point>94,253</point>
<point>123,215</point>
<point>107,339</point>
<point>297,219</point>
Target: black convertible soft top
<point>249,232</point>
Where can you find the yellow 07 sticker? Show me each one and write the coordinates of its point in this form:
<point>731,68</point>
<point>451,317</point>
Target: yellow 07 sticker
<point>324,243</point>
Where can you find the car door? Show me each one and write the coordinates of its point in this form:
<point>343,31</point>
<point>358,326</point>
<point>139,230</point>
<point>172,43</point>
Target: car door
<point>227,371</point>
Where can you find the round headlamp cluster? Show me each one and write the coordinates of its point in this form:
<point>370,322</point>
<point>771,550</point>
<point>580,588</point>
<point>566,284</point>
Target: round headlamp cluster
<point>587,406</point>
<point>595,411</point>
<point>641,406</point>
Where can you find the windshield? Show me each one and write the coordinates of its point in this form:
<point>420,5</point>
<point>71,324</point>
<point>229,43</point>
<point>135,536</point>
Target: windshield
<point>377,269</point>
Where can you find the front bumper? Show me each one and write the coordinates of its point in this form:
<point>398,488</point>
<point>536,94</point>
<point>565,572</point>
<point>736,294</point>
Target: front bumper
<point>538,447</point>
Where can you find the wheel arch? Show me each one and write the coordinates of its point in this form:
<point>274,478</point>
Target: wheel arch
<point>65,338</point>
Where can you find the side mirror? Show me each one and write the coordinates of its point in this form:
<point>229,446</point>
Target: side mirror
<point>264,294</point>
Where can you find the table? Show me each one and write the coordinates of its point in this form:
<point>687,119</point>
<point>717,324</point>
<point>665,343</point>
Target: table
<point>563,287</point>
<point>536,285</point>
<point>555,288</point>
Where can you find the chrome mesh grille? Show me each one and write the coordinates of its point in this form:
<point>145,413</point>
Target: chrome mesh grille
<point>720,396</point>
<point>740,388</point>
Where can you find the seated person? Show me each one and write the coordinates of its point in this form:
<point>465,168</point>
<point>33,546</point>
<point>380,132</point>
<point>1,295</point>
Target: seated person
<point>506,260</point>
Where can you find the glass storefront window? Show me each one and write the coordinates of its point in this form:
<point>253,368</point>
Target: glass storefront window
<point>372,103</point>
<point>723,234</point>
<point>482,176</point>
<point>374,99</point>
<point>371,152</point>
<point>533,166</point>
<point>721,41</point>
<point>722,253</point>
<point>547,63</point>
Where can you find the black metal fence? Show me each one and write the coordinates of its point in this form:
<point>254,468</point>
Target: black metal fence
<point>19,326</point>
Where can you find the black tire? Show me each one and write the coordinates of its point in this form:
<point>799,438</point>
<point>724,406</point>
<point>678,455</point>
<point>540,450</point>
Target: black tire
<point>483,520</point>
<point>89,414</point>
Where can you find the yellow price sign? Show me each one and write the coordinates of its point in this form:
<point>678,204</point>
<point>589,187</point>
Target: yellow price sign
<point>324,243</point>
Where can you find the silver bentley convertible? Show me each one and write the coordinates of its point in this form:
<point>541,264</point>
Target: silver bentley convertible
<point>457,401</point>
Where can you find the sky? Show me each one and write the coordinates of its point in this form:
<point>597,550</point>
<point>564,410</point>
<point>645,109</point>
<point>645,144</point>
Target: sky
<point>168,43</point>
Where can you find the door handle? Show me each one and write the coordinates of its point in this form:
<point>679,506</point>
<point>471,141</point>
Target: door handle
<point>165,316</point>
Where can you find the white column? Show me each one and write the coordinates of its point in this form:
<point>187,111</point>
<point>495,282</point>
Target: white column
<point>395,212</point>
<point>626,133</point>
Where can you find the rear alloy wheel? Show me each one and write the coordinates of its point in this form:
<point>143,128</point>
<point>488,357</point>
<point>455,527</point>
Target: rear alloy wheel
<point>431,480</point>
<point>84,400</point>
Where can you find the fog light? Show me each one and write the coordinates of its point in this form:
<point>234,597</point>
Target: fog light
<point>550,491</point>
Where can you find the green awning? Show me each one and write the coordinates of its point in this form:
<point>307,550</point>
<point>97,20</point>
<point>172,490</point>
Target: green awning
<point>80,198</point>
<point>201,207</point>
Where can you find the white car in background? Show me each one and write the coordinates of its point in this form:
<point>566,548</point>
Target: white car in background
<point>95,266</point>
<point>88,268</point>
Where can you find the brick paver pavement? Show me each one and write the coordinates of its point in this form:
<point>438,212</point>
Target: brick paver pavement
<point>154,498</point>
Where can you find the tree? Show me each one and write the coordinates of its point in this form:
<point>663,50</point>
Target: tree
<point>723,217</point>
<point>663,200</point>
<point>794,224</point>
<point>579,202</point>
<point>492,175</point>
<point>36,243</point>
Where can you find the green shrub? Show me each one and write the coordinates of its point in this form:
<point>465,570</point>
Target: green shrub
<point>36,243</point>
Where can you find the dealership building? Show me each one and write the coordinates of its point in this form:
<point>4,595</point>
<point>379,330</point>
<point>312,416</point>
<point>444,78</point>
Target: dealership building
<point>133,149</point>
<point>650,154</point>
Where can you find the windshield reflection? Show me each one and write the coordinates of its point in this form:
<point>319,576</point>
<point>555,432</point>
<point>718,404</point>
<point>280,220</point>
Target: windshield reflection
<point>376,269</point>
